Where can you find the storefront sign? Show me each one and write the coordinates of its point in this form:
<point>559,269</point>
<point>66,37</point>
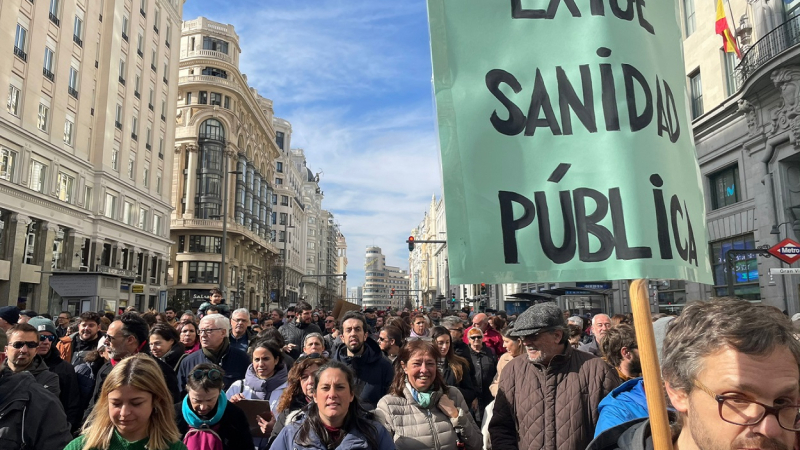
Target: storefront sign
<point>567,150</point>
<point>137,289</point>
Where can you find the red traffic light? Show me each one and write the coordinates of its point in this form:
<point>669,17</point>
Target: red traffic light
<point>410,243</point>
<point>391,295</point>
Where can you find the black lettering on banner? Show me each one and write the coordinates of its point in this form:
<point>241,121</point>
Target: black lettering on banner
<point>666,113</point>
<point>540,100</point>
<point>590,224</point>
<point>674,210</point>
<point>516,118</point>
<point>509,225</point>
<point>568,99</point>
<point>518,12</point>
<point>637,121</point>
<point>610,112</point>
<point>664,244</point>
<point>623,251</point>
<point>597,9</point>
<point>566,252</point>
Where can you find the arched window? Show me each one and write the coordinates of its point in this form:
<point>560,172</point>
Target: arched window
<point>212,129</point>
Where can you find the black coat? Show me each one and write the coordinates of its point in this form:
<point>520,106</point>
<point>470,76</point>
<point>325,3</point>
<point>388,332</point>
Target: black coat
<point>233,428</point>
<point>68,382</point>
<point>374,373</point>
<point>466,385</point>
<point>485,369</point>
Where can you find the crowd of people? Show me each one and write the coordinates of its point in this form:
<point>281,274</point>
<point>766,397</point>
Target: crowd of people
<point>301,378</point>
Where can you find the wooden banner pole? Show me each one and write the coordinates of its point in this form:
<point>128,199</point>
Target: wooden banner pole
<point>651,371</point>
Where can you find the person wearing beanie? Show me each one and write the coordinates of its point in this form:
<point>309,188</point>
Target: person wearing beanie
<point>549,397</point>
<point>23,341</point>
<point>9,316</point>
<point>67,379</point>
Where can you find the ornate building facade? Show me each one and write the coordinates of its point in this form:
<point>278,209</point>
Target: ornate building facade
<point>224,172</point>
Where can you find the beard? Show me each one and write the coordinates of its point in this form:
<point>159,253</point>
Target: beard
<point>635,367</point>
<point>355,348</point>
<point>537,357</point>
<point>706,441</point>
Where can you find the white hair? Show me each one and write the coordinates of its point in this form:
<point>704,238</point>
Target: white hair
<point>576,320</point>
<point>242,311</point>
<point>219,321</point>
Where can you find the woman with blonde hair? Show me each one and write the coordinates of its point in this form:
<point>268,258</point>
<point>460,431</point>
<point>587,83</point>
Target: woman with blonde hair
<point>134,411</point>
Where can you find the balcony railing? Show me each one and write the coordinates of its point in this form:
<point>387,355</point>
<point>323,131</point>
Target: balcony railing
<point>209,54</point>
<point>782,38</point>
<point>54,19</point>
<point>72,91</point>
<point>77,40</point>
<point>122,80</point>
<point>48,74</point>
<point>125,36</point>
<point>20,53</point>
<point>118,125</point>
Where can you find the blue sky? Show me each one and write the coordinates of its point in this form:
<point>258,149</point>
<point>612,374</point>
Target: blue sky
<point>353,78</point>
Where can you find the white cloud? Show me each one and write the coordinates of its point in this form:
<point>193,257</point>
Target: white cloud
<point>353,78</point>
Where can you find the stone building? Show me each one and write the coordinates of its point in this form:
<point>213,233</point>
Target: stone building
<point>85,171</point>
<point>224,172</point>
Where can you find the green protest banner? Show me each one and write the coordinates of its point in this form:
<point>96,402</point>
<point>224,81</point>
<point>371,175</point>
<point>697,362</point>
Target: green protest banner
<point>567,150</point>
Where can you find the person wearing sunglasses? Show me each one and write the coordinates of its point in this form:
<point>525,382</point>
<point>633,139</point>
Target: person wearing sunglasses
<point>32,417</point>
<point>207,407</point>
<point>67,379</point>
<point>485,362</point>
<point>21,356</point>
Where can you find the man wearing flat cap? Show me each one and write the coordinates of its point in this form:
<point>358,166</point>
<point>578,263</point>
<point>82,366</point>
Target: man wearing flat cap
<point>547,399</point>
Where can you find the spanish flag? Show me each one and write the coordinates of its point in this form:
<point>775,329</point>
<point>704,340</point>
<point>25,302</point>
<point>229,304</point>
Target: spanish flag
<point>728,42</point>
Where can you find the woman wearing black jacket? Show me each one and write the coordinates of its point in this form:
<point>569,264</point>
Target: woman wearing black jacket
<point>454,369</point>
<point>206,405</point>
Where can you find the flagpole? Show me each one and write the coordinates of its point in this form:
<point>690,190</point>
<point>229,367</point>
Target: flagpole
<point>735,31</point>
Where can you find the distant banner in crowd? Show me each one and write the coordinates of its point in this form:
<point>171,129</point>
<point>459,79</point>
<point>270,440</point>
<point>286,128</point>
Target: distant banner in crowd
<point>567,149</point>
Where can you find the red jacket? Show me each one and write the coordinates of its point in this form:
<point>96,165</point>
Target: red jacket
<point>491,339</point>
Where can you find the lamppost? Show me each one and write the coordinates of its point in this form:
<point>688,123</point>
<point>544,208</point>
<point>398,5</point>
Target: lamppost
<point>286,228</point>
<point>222,286</point>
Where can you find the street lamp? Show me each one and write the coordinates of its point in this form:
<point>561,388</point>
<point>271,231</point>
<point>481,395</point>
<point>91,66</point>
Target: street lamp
<point>224,215</point>
<point>776,229</point>
<point>286,228</point>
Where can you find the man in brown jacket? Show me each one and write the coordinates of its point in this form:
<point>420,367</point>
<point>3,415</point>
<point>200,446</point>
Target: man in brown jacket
<point>547,399</point>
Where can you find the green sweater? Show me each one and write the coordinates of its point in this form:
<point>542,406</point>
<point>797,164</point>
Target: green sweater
<point>119,443</point>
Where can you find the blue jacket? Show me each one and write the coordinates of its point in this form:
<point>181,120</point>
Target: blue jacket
<point>234,363</point>
<point>374,373</point>
<point>625,403</point>
<point>352,440</point>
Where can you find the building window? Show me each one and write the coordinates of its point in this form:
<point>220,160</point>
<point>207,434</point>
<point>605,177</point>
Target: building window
<point>115,159</point>
<point>49,57</point>
<point>688,17</point>
<point>283,218</point>
<point>227,104</point>
<point>279,139</point>
<point>125,27</point>
<point>54,11</point>
<point>146,175</point>
<point>203,272</point>
<point>157,221</point>
<point>127,213</point>
<point>111,206</point>
<point>215,72</point>
<point>278,181</point>
<point>37,176</point>
<point>279,167</point>
<point>140,45</point>
<point>745,272</point>
<point>135,128</point>
<point>203,98</point>
<point>158,182</point>
<point>20,42</point>
<point>72,87</point>
<point>696,94</point>
<point>188,98</point>
<point>274,199</point>
<point>68,127</point>
<point>284,200</point>
<point>216,99</point>
<point>724,186</point>
<point>66,185</point>
<point>142,218</point>
<point>216,45</point>
<point>731,83</point>
<point>44,116</point>
<point>118,117</point>
<point>77,31</point>
<point>13,100</point>
<point>87,197</point>
<point>212,129</point>
<point>205,244</point>
<point>131,167</point>
<point>122,71</point>
<point>8,163</point>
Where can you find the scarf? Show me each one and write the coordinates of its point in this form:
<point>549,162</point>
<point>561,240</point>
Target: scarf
<point>423,398</point>
<point>263,388</point>
<point>196,421</point>
<point>194,348</point>
<point>425,336</point>
<point>216,357</point>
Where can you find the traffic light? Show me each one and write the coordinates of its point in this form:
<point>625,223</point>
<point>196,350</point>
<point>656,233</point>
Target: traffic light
<point>453,296</point>
<point>465,292</point>
<point>483,288</point>
<point>410,243</point>
<point>391,295</point>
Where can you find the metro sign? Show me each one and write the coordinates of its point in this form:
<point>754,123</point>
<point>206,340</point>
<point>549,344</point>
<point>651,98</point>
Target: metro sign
<point>787,251</point>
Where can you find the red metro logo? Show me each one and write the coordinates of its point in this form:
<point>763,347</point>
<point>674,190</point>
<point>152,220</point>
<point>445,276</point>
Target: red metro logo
<point>787,251</point>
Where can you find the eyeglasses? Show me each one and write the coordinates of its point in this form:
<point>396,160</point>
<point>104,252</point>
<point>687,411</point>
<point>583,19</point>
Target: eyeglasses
<point>290,317</point>
<point>19,344</point>
<point>476,337</point>
<point>43,337</point>
<point>211,374</point>
<point>63,317</point>
<point>743,412</point>
<point>207,330</point>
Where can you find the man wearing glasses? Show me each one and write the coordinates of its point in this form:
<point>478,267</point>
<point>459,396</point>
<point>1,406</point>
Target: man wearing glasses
<point>731,371</point>
<point>63,323</point>
<point>241,332</point>
<point>32,417</point>
<point>491,338</point>
<point>23,340</point>
<point>548,398</point>
<point>216,348</point>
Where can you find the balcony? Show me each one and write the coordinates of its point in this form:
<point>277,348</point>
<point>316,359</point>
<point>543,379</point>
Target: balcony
<point>124,36</point>
<point>163,119</point>
<point>20,53</point>
<point>210,54</point>
<point>165,80</point>
<point>77,40</point>
<point>73,92</point>
<point>118,125</point>
<point>141,11</point>
<point>134,136</point>
<point>782,38</point>
<point>153,67</point>
<point>150,105</point>
<point>167,44</point>
<point>155,28</point>
<point>137,94</point>
<point>208,79</point>
<point>49,75</point>
<point>122,80</point>
<point>54,19</point>
<point>160,156</point>
<point>140,53</point>
<point>148,146</point>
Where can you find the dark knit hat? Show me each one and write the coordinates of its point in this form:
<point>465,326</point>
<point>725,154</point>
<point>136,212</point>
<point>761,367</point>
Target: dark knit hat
<point>538,317</point>
<point>10,314</point>
<point>29,313</point>
<point>43,324</point>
